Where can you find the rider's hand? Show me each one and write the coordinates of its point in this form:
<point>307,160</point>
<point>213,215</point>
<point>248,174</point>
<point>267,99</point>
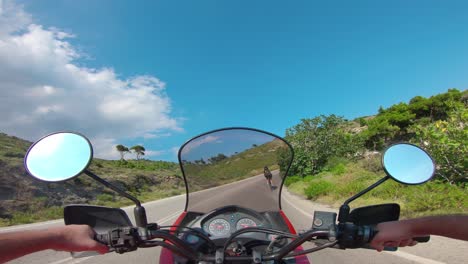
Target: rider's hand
<point>76,238</point>
<point>393,234</point>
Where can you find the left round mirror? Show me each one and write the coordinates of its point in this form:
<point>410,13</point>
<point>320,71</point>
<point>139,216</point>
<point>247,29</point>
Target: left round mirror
<point>58,157</point>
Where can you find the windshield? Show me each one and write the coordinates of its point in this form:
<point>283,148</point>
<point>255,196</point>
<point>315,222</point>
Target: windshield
<point>239,166</point>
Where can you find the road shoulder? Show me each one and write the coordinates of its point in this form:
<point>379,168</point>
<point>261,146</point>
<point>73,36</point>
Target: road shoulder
<point>437,250</point>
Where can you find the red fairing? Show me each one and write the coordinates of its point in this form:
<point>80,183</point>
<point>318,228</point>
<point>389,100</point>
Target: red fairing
<point>299,259</point>
<point>178,221</point>
<point>166,256</point>
<point>290,226</point>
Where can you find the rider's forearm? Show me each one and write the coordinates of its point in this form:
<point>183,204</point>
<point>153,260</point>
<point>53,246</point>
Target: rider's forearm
<point>16,244</point>
<point>453,226</point>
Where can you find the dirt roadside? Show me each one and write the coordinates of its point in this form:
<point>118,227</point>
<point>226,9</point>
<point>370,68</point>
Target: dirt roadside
<point>439,249</point>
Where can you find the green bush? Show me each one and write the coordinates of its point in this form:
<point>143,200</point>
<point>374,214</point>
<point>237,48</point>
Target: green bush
<point>436,196</point>
<point>14,155</point>
<point>318,188</point>
<point>105,198</point>
<point>336,165</point>
<point>292,179</point>
<point>349,189</point>
<point>338,169</point>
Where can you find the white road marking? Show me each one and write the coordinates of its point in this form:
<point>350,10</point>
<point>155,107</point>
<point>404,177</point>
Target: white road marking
<point>297,208</point>
<point>70,260</point>
<point>12,228</point>
<point>79,260</point>
<point>6,229</point>
<point>400,254</point>
<point>166,219</point>
<point>414,258</point>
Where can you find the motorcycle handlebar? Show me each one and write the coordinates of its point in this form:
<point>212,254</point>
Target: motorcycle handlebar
<point>127,239</point>
<point>422,239</point>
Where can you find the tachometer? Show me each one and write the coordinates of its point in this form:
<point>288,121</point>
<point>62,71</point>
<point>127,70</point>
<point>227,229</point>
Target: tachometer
<point>245,222</point>
<point>219,227</point>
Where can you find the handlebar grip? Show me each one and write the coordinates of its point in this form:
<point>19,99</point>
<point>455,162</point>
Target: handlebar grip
<point>423,239</point>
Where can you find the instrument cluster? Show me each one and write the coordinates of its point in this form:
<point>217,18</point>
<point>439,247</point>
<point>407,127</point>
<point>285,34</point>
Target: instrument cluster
<point>228,223</point>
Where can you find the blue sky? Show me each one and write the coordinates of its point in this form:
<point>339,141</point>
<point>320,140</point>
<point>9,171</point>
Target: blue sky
<point>262,64</point>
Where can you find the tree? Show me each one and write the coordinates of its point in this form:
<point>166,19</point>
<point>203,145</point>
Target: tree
<point>440,105</point>
<point>138,150</point>
<point>122,150</point>
<point>318,139</point>
<point>217,158</point>
<point>447,142</point>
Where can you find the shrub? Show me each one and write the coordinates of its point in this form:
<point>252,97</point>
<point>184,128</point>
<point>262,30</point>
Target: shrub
<point>317,188</point>
<point>14,155</point>
<point>336,166</point>
<point>292,179</point>
<point>436,196</point>
<point>351,188</point>
<point>104,198</point>
<point>372,163</point>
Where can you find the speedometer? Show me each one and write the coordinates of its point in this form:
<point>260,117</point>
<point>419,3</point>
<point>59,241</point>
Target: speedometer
<point>245,222</point>
<point>219,227</point>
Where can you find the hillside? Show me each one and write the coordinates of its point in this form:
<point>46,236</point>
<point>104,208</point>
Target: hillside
<point>23,199</point>
<point>336,158</point>
<point>236,167</point>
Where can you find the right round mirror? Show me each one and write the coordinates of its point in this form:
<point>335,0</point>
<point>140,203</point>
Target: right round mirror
<point>408,164</point>
<point>58,157</point>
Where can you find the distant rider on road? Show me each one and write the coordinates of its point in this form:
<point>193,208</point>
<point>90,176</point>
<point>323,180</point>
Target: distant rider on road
<point>267,174</point>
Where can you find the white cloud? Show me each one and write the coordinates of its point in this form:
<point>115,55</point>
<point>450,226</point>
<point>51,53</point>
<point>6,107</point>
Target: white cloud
<point>43,89</point>
<point>198,142</point>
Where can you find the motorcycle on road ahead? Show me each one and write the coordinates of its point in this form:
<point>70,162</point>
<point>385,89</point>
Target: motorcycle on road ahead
<point>243,224</point>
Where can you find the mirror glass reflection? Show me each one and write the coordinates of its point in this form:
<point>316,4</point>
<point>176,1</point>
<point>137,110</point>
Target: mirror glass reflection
<point>58,157</point>
<point>408,164</point>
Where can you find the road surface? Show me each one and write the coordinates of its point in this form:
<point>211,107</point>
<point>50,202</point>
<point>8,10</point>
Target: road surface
<point>255,192</point>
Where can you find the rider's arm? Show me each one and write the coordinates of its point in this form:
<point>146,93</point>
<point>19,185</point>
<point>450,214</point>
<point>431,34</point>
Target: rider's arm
<point>401,233</point>
<point>65,238</point>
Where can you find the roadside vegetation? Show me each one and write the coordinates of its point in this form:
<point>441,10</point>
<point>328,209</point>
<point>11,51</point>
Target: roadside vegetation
<point>31,201</point>
<point>336,158</point>
<point>25,200</point>
<point>221,169</point>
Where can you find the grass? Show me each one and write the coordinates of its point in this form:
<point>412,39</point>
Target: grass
<point>344,179</point>
<point>37,212</point>
<point>31,201</point>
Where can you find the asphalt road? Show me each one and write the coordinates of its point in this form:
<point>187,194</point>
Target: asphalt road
<point>256,193</point>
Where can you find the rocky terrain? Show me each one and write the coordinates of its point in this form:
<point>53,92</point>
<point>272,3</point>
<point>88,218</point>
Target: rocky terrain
<point>20,193</point>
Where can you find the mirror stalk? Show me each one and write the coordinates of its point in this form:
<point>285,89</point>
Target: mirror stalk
<point>139,211</point>
<point>140,216</point>
<point>344,209</point>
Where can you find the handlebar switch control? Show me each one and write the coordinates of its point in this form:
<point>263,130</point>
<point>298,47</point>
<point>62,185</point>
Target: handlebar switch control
<point>124,239</point>
<point>323,220</point>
